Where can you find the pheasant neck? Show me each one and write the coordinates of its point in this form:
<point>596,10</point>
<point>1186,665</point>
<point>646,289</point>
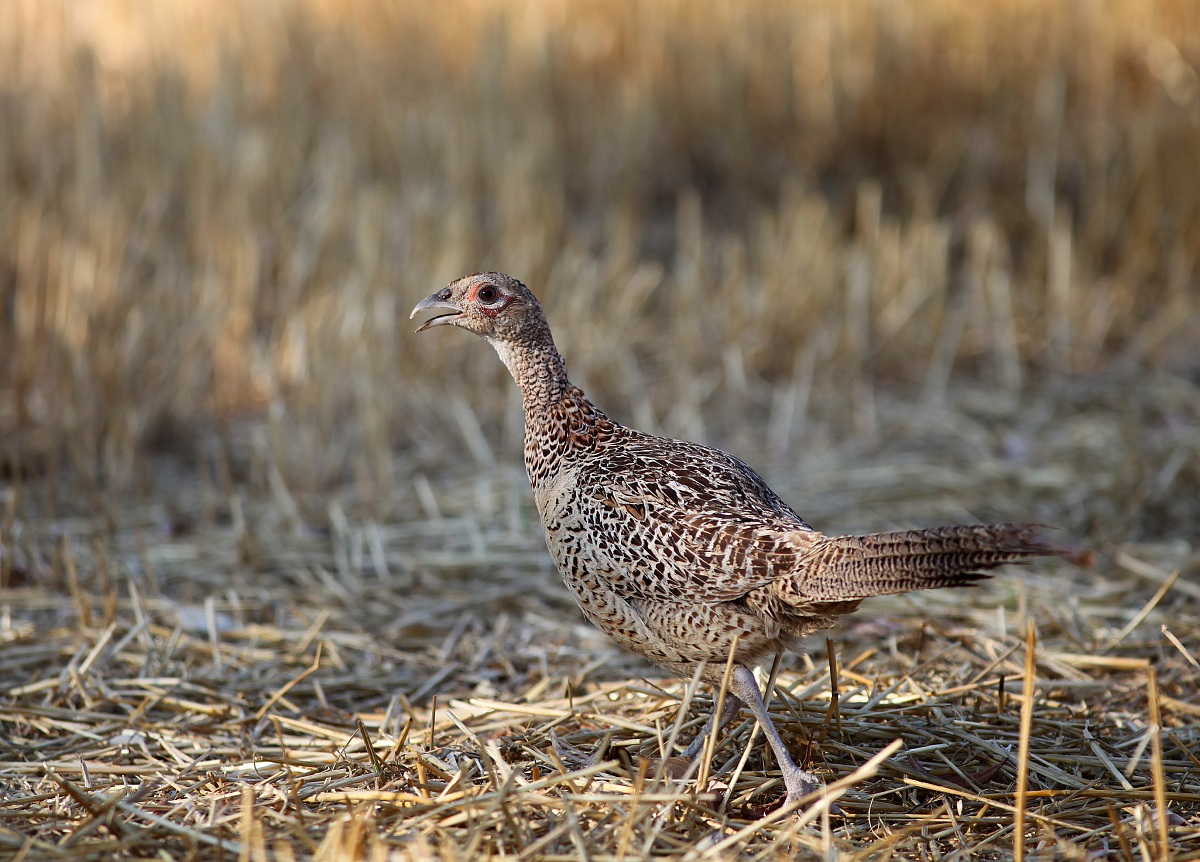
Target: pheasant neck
<point>559,419</point>
<point>539,371</point>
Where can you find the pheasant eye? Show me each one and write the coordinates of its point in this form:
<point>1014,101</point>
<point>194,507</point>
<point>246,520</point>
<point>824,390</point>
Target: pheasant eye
<point>486,294</point>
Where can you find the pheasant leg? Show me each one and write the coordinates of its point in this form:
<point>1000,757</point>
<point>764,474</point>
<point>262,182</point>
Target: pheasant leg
<point>733,705</point>
<point>798,782</point>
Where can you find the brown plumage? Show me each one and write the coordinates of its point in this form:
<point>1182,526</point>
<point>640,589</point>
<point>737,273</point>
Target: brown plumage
<point>677,550</point>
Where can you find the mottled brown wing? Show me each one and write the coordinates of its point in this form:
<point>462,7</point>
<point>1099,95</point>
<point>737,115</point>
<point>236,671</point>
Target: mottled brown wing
<point>683,521</point>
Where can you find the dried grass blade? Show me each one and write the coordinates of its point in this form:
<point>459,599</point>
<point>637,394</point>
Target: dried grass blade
<point>290,684</point>
<point>1145,611</point>
<point>1023,745</point>
<point>1119,831</point>
<point>1156,765</point>
<point>710,744</point>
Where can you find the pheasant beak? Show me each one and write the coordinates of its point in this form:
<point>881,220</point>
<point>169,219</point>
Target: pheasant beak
<point>441,299</point>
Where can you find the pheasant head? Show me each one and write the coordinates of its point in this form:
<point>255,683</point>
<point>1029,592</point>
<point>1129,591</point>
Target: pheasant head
<point>507,314</point>
<point>491,304</point>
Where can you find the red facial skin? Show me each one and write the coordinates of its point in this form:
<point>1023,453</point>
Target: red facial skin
<point>487,303</point>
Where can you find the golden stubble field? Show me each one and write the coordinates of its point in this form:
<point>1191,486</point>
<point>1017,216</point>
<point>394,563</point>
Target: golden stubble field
<point>271,583</point>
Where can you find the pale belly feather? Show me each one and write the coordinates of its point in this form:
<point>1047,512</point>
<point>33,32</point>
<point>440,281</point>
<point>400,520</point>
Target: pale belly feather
<point>674,634</point>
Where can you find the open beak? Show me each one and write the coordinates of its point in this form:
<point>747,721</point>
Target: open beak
<point>441,299</point>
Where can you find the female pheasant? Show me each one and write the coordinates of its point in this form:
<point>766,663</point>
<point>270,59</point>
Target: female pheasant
<point>679,551</point>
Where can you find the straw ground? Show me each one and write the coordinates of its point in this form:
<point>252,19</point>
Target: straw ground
<point>272,584</point>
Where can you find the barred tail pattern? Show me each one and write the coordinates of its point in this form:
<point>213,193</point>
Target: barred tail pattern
<point>856,567</point>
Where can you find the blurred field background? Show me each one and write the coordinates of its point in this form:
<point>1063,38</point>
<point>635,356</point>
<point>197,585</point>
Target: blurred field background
<point>918,261</point>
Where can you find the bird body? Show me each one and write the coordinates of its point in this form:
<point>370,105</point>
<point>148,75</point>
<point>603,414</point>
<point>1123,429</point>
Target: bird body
<point>681,552</point>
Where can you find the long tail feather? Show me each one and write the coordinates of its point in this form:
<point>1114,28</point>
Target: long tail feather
<point>855,567</point>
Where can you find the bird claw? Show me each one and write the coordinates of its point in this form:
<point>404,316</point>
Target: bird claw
<point>804,791</point>
<point>804,785</point>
